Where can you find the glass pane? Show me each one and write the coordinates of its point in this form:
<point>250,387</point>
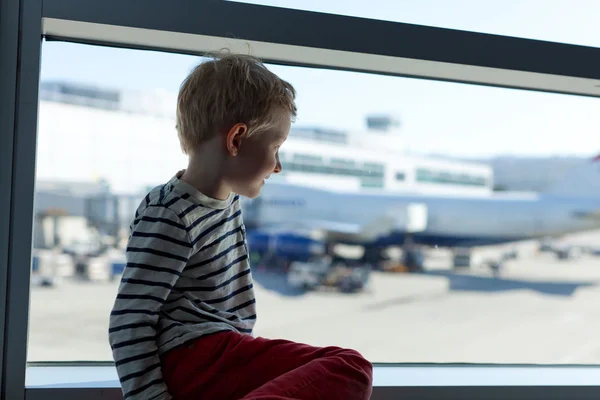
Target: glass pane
<point>552,20</point>
<point>506,173</point>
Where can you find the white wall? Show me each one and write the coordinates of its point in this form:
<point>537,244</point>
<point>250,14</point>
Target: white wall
<point>131,151</point>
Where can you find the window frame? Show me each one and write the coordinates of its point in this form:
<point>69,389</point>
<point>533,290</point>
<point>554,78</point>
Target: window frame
<point>277,35</point>
<point>21,48</point>
<point>391,381</point>
<point>9,27</point>
<point>194,26</point>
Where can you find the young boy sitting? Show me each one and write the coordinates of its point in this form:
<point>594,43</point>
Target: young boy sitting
<point>181,326</point>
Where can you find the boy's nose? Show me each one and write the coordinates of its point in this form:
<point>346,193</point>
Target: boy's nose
<point>278,167</point>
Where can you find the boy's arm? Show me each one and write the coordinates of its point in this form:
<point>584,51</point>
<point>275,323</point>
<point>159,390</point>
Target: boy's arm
<point>157,252</point>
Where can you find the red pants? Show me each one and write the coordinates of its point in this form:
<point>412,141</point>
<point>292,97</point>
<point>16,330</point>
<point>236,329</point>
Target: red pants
<point>231,366</point>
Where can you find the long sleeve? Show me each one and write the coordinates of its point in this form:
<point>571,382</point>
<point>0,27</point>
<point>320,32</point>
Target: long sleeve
<point>158,250</point>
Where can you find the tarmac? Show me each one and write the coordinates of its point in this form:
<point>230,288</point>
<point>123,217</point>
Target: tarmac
<point>538,310</point>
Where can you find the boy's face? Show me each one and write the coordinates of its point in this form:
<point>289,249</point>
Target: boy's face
<point>258,157</point>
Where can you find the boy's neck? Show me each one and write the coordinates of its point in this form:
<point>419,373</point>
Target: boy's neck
<point>203,173</point>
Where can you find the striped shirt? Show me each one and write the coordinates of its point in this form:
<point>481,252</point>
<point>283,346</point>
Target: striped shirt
<point>187,276</point>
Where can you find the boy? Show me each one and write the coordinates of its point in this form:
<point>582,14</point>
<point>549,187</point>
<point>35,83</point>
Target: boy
<point>181,326</point>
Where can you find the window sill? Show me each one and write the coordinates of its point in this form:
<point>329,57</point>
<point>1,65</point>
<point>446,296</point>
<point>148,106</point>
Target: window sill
<point>99,381</point>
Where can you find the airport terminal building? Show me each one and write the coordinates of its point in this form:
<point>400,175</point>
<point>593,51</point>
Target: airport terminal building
<point>95,119</point>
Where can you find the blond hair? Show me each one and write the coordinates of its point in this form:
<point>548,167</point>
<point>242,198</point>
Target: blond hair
<point>229,89</point>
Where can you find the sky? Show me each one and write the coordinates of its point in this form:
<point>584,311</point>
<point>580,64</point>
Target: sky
<point>442,118</point>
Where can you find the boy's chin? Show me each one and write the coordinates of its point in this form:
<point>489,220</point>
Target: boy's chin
<point>251,192</point>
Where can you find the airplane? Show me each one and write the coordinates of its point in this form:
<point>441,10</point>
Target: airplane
<point>377,220</point>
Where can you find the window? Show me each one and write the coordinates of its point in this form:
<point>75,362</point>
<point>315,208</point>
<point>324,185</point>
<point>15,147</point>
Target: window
<point>451,178</point>
<point>308,159</point>
<point>372,183</point>
<point>320,134</point>
<point>83,214</point>
<point>369,175</point>
<point>117,100</point>
<point>374,167</point>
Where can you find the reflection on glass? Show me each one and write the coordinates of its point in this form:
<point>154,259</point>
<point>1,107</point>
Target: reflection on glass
<point>436,222</point>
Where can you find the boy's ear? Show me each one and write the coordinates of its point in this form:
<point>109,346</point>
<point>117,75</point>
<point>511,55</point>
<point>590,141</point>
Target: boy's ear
<point>235,137</point>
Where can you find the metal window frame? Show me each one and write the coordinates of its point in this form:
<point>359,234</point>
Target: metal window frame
<point>379,393</point>
<point>20,66</point>
<point>278,36</point>
<point>412,381</point>
<point>9,28</point>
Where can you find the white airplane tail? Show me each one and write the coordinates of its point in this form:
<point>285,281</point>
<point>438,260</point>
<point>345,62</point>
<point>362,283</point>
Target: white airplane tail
<point>582,181</point>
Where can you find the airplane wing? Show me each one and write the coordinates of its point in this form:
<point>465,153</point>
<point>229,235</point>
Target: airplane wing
<point>372,230</point>
<point>318,225</point>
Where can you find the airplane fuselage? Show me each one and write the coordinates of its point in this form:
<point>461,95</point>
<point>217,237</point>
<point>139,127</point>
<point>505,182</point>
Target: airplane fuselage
<point>451,221</point>
<point>460,222</point>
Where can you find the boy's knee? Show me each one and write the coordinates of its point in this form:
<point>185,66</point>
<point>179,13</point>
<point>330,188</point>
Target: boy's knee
<point>360,363</point>
<point>363,375</point>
